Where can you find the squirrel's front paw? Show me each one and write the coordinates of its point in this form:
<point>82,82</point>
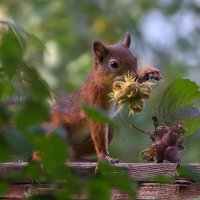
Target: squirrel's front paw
<point>150,73</point>
<point>111,160</point>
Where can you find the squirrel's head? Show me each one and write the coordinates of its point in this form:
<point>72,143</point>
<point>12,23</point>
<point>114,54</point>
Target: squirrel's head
<point>114,61</point>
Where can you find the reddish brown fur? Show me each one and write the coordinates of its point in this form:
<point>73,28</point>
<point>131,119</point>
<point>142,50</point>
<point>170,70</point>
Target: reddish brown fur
<point>68,112</point>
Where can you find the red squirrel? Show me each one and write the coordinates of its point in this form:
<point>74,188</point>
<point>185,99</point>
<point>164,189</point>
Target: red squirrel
<point>85,135</point>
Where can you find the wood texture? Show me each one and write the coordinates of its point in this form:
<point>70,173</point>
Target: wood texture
<point>143,172</point>
<point>172,192</point>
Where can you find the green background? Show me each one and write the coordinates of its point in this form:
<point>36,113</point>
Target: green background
<point>165,34</point>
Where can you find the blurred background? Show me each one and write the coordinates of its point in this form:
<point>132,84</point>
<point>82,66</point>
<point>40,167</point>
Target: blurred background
<point>165,34</point>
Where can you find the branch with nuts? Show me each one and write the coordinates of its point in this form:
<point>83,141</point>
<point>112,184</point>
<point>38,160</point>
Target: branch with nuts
<point>168,142</point>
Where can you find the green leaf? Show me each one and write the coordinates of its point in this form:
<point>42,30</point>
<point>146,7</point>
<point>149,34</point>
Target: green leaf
<point>33,171</point>
<point>17,142</point>
<point>54,146</point>
<point>22,34</point>
<point>117,178</point>
<point>187,113</point>
<point>11,53</point>
<point>4,115</point>
<point>192,125</point>
<point>191,116</point>
<point>98,189</point>
<point>6,89</point>
<point>4,187</point>
<point>8,54</point>
<point>162,179</point>
<point>31,113</point>
<point>50,196</point>
<point>37,87</point>
<point>53,156</point>
<point>5,156</point>
<point>189,173</point>
<point>176,103</point>
<point>98,114</point>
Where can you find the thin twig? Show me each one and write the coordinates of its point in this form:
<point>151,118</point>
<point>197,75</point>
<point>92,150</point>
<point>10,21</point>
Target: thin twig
<point>148,133</point>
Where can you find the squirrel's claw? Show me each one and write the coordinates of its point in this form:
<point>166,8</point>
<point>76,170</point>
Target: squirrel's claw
<point>111,160</point>
<point>150,73</point>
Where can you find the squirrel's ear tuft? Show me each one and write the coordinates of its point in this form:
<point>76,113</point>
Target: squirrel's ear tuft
<point>100,50</point>
<point>127,40</point>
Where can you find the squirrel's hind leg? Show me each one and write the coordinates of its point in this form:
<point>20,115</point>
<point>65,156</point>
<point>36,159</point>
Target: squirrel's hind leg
<point>86,148</point>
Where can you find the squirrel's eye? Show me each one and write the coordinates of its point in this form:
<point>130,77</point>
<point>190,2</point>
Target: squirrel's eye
<point>114,64</point>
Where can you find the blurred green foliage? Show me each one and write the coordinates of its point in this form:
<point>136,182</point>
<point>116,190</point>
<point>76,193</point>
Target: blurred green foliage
<point>21,134</point>
<point>164,33</point>
<point>189,172</point>
<point>98,115</point>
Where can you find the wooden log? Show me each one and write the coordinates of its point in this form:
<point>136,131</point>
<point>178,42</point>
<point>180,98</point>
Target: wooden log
<point>154,191</point>
<point>139,171</point>
<point>165,191</point>
<point>142,172</point>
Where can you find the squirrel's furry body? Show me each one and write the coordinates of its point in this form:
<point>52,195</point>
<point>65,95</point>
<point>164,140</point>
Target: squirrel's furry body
<point>84,134</point>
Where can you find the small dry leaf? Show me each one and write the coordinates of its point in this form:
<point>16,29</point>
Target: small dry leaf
<point>149,153</point>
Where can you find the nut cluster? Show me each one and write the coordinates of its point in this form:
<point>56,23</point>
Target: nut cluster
<point>168,142</point>
<point>132,92</point>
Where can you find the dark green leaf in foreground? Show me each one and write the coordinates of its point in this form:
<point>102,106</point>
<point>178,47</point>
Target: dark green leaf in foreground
<point>55,148</point>
<point>98,189</point>
<point>6,89</point>
<point>8,54</point>
<point>31,113</point>
<point>98,114</point>
<point>114,178</point>
<point>162,179</point>
<point>36,86</point>
<point>50,196</point>
<point>11,54</point>
<point>23,35</point>
<point>5,156</point>
<point>4,115</point>
<point>189,173</point>
<point>16,141</point>
<point>4,187</point>
<point>54,154</point>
